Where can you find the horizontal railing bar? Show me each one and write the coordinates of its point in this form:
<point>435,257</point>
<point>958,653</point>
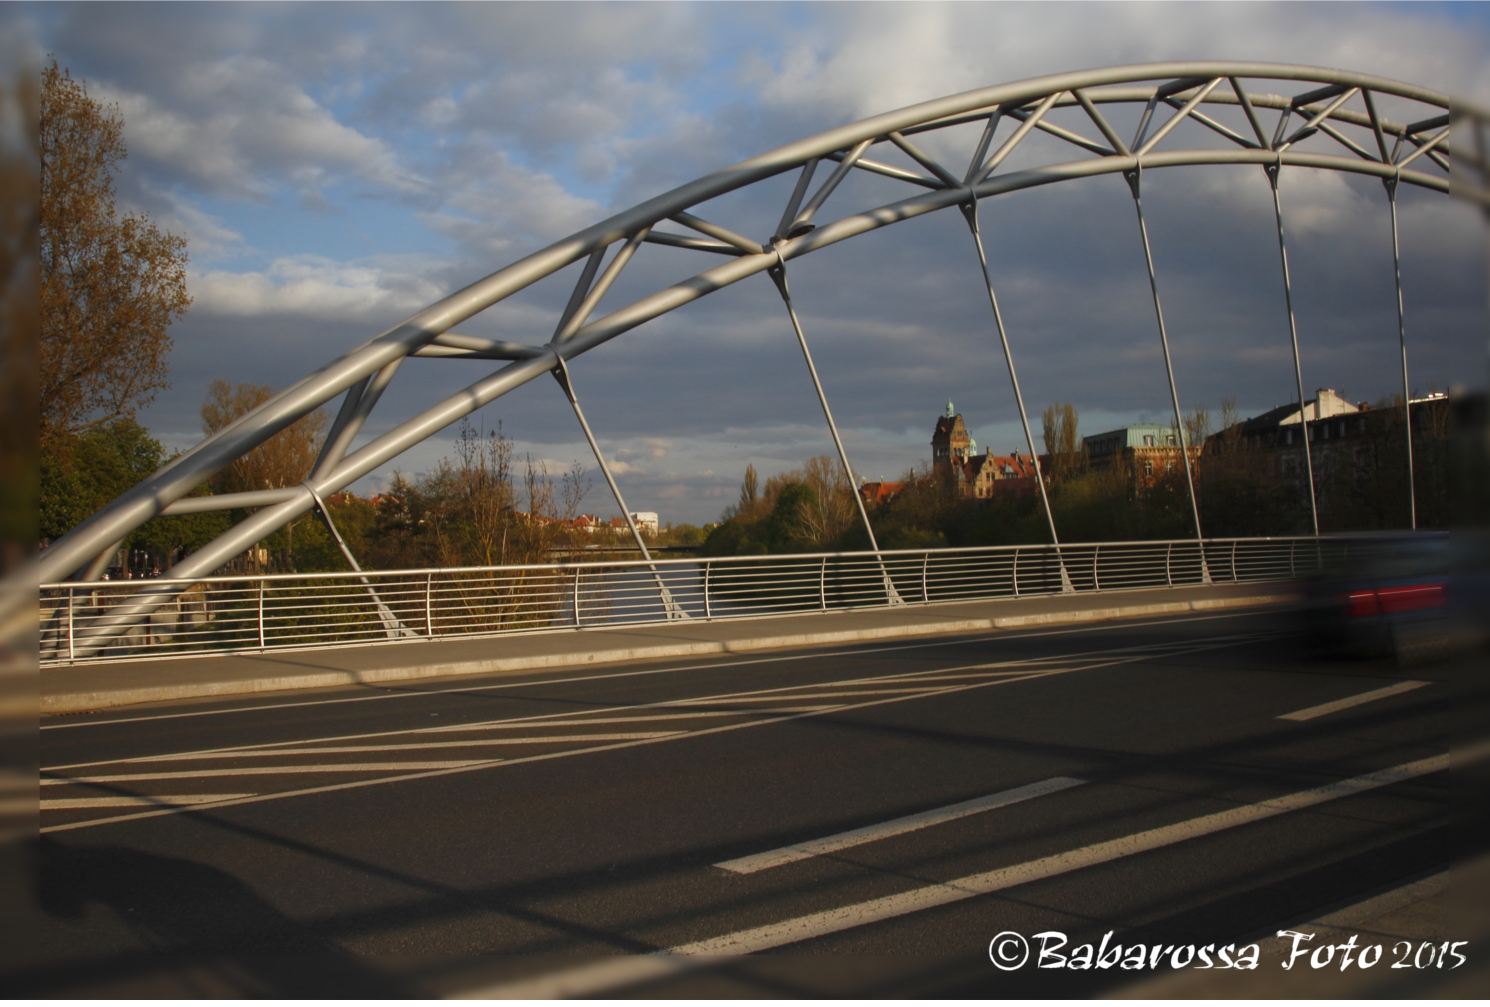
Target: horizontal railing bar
<point>624,565</point>
<point>305,612</point>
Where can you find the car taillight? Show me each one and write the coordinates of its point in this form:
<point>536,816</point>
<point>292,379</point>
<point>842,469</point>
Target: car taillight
<point>1393,600</point>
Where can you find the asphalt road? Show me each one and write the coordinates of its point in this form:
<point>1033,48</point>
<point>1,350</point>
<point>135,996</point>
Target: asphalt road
<point>512,834</point>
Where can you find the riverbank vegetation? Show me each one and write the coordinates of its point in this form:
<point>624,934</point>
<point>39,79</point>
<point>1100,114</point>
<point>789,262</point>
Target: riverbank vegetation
<point>1240,492</point>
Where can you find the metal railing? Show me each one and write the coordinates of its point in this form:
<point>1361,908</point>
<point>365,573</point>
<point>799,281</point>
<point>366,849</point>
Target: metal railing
<point>80,622</point>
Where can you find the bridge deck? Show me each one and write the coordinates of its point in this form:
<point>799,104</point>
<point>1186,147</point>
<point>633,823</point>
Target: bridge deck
<point>97,686</point>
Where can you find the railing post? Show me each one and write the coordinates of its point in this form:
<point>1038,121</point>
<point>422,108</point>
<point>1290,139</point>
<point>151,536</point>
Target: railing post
<point>261,615</point>
<point>925,593</point>
<point>822,585</point>
<point>429,622</point>
<point>1096,575</point>
<point>1016,571</point>
<point>1169,565</point>
<point>708,569</point>
<point>1234,578</point>
<point>69,624</point>
<point>576,597</point>
<point>1293,567</point>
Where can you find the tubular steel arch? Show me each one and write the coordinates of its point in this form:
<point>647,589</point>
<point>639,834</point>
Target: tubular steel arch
<point>1314,102</point>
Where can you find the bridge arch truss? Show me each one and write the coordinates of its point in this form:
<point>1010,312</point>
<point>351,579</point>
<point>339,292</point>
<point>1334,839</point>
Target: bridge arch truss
<point>1253,113</point>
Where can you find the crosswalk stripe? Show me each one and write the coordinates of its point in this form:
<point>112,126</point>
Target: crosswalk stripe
<point>330,767</point>
<point>1016,670</point>
<point>131,801</point>
<point>554,739</point>
<point>768,718</point>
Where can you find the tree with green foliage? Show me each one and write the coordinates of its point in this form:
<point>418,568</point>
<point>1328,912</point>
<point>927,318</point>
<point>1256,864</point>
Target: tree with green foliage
<point>804,510</point>
<point>83,472</point>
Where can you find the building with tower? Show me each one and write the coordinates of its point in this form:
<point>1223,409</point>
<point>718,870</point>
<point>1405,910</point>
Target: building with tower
<point>978,476</point>
<point>950,442</point>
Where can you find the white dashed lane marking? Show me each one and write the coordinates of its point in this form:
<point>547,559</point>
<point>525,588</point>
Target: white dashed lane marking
<point>1309,713</point>
<point>895,827</point>
<point>616,971</point>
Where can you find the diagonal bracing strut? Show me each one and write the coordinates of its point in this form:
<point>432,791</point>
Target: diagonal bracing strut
<point>1412,491</point>
<point>392,625</point>
<point>1273,171</point>
<point>1135,182</point>
<point>970,211</point>
<point>669,604</point>
<point>778,276</point>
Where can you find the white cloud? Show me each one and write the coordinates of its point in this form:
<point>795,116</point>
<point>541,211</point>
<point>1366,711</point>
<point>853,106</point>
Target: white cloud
<point>207,235</point>
<point>863,59</point>
<point>493,207</point>
<point>314,287</point>
<point>632,459</point>
<point>237,127</point>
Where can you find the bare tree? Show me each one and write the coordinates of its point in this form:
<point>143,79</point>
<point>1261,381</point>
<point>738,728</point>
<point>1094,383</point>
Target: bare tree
<point>749,490</point>
<point>283,460</point>
<point>485,476</point>
<point>1198,426</point>
<point>832,511</point>
<point>1062,442</point>
<point>573,488</point>
<point>110,286</point>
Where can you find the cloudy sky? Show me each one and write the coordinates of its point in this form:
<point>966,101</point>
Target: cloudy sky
<point>337,167</point>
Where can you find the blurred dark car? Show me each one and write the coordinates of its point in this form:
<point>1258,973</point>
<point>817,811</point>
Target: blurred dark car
<point>1405,596</point>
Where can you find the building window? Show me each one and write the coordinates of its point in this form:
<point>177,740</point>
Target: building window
<point>1148,440</point>
<point>1148,466</point>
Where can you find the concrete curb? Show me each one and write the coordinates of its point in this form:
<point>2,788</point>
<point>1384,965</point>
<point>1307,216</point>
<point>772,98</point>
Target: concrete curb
<point>98,700</point>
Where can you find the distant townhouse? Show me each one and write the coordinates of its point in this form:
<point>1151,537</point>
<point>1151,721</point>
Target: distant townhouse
<point>1330,416</point>
<point>1342,435</point>
<point>1148,449</point>
<point>989,475</point>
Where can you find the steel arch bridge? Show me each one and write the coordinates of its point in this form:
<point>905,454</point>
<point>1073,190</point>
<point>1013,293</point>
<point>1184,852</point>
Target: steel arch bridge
<point>1250,113</point>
